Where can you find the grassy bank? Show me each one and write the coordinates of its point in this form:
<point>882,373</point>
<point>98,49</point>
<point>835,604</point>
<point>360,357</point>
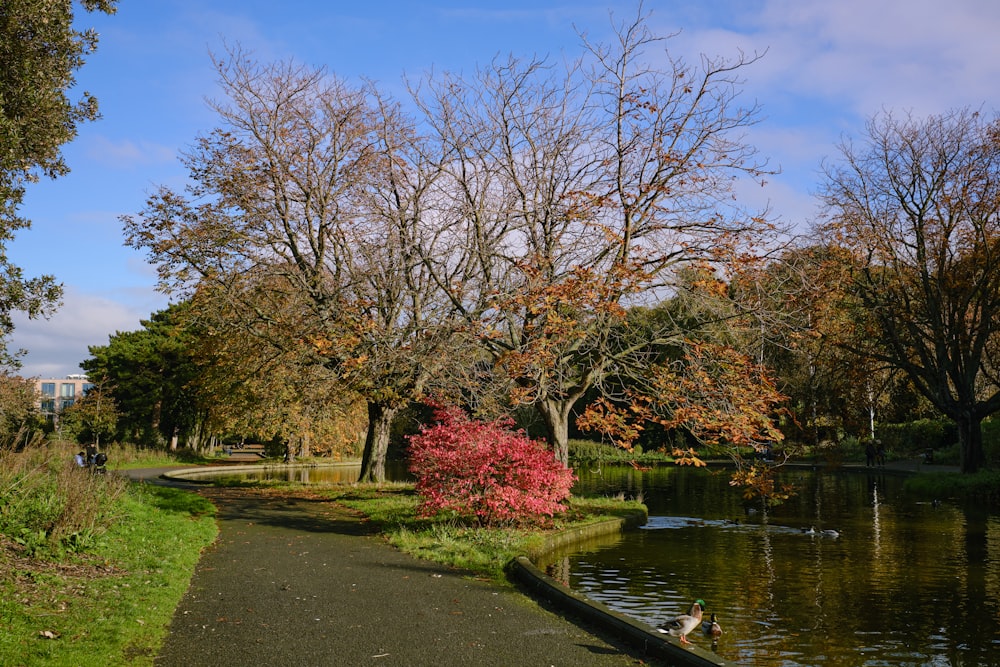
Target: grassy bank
<point>983,486</point>
<point>91,566</point>
<point>450,541</point>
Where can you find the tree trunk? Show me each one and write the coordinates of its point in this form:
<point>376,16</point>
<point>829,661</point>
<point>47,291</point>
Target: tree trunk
<point>376,442</point>
<point>555,413</point>
<point>154,419</point>
<point>970,441</point>
<point>194,437</point>
<point>305,449</point>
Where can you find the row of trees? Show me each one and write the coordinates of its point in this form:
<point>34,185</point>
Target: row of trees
<point>544,235</point>
<point>483,241</point>
<point>560,236</point>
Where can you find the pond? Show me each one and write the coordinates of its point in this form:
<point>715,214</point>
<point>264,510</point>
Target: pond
<point>908,581</point>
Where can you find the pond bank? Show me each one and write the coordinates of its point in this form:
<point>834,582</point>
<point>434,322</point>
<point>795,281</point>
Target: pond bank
<point>592,617</point>
<point>298,581</point>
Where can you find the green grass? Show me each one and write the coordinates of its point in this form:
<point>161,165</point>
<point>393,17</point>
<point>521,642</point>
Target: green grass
<point>588,451</point>
<point>982,486</point>
<point>126,457</point>
<point>112,604</point>
<point>97,582</point>
<point>448,540</point>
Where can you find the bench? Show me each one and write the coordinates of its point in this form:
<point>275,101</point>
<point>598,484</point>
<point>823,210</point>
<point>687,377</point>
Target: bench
<point>252,450</point>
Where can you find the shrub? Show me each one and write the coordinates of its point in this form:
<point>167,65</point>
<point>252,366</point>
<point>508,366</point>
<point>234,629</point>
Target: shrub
<point>486,470</point>
<point>916,436</point>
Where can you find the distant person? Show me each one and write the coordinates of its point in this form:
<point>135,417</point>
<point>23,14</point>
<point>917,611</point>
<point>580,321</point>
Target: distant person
<point>80,460</point>
<point>870,454</point>
<point>91,453</point>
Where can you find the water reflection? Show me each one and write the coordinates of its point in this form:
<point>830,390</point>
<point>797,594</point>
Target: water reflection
<point>908,582</point>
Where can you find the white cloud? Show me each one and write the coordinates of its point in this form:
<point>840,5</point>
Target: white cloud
<point>902,54</point>
<point>56,346</point>
<point>126,154</point>
<point>831,65</point>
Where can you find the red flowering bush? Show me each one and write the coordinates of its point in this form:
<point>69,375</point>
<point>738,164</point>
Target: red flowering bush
<point>486,470</point>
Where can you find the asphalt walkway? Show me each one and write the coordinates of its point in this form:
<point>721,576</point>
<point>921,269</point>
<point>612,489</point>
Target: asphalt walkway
<point>303,582</point>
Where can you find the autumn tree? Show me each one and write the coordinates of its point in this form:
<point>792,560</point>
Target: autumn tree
<point>795,324</point>
<point>579,191</point>
<point>513,221</point>
<point>707,389</point>
<point>20,421</point>
<point>917,207</point>
<point>304,211</point>
<point>40,52</point>
<point>274,391</point>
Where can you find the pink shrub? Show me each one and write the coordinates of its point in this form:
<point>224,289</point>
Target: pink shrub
<point>486,470</point>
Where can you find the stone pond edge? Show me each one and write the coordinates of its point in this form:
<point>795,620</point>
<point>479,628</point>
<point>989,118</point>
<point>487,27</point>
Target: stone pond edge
<point>639,635</point>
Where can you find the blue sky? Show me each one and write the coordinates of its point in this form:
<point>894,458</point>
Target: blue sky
<point>828,67</point>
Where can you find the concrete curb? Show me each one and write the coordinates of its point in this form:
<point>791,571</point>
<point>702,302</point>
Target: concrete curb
<point>639,635</point>
<point>204,474</point>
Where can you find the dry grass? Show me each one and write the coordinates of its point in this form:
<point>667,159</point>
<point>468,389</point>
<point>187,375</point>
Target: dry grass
<point>48,505</point>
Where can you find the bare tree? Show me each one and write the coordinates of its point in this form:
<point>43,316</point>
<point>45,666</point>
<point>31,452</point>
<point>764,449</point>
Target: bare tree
<point>917,205</point>
<point>578,191</point>
<point>302,212</point>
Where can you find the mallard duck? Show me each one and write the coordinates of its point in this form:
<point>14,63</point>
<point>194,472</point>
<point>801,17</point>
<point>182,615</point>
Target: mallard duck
<point>712,627</point>
<point>685,623</point>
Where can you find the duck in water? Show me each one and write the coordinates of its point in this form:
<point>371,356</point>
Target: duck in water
<point>711,628</point>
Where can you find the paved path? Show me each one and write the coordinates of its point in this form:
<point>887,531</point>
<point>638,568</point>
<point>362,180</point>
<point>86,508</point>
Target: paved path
<point>302,582</point>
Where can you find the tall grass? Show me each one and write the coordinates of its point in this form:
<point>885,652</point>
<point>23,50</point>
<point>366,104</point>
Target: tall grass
<point>91,566</point>
<point>49,505</point>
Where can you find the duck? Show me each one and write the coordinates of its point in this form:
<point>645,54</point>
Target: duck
<point>811,530</point>
<point>712,628</point>
<point>831,533</point>
<point>684,623</point>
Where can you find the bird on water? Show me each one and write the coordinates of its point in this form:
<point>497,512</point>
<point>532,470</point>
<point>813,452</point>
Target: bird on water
<point>711,628</point>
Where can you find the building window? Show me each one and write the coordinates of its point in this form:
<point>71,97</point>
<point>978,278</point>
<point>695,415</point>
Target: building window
<point>87,386</point>
<point>49,389</point>
<point>67,390</point>
<point>65,403</point>
<point>49,404</point>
